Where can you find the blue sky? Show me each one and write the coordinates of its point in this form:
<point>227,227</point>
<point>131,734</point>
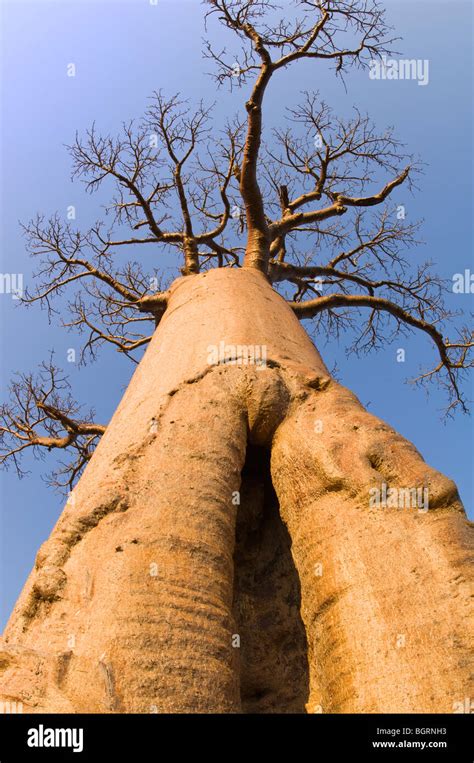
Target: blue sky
<point>122,52</point>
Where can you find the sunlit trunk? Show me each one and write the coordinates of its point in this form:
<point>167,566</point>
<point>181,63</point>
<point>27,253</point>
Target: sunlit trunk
<point>170,582</point>
<point>384,566</point>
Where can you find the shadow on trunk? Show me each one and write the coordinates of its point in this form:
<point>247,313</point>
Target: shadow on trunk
<point>273,647</point>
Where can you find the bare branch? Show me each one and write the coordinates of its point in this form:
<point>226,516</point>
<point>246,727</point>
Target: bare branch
<point>41,415</point>
<point>454,356</point>
<point>321,36</point>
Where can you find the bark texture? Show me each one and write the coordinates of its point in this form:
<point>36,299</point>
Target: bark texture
<point>173,543</point>
<point>386,597</point>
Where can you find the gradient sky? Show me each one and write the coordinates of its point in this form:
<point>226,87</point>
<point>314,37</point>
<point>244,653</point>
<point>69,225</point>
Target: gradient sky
<point>122,52</point>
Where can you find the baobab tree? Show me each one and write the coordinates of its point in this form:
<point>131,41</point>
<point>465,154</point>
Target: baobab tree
<point>242,536</point>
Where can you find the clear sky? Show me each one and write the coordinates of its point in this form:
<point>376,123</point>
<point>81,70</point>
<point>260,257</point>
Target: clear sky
<point>123,51</point>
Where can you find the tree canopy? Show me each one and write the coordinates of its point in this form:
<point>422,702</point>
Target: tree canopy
<point>239,197</point>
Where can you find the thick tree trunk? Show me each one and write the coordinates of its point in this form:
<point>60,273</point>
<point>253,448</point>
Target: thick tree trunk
<point>168,584</point>
<point>385,589</point>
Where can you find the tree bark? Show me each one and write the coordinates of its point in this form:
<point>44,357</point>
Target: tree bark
<point>137,598</point>
<point>386,599</point>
